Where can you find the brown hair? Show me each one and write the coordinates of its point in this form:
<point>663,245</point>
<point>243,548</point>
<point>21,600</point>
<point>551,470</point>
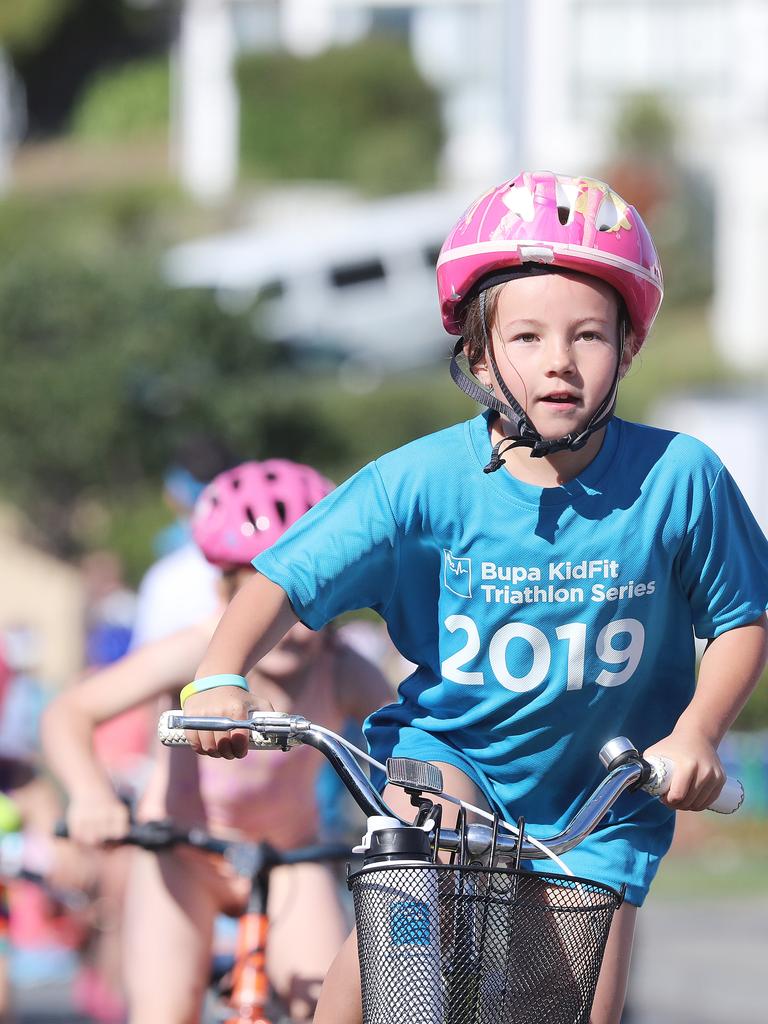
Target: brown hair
<point>475,331</point>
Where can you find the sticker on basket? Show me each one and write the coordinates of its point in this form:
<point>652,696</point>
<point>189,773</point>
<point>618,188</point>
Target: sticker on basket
<point>409,923</point>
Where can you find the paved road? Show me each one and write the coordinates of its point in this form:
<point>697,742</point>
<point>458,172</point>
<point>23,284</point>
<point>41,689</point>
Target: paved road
<point>46,1003</point>
<point>695,963</point>
<point>701,963</point>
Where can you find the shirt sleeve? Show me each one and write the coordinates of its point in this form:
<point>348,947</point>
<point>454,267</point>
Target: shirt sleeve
<point>724,563</point>
<point>342,555</point>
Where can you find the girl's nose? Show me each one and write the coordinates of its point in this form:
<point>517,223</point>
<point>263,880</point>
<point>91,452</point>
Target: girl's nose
<point>558,358</point>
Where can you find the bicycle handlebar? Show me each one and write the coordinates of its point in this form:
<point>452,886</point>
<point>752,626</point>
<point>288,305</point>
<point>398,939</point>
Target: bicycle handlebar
<point>272,730</point>
<point>246,857</point>
<point>159,835</point>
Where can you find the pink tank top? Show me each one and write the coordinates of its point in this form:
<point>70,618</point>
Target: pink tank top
<point>267,795</point>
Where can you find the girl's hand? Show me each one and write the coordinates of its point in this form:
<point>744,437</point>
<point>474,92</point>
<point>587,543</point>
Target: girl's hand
<point>227,702</point>
<point>698,774</point>
<point>93,819</point>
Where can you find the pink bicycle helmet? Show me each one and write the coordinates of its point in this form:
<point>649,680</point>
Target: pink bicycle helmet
<point>558,220</point>
<point>244,510</point>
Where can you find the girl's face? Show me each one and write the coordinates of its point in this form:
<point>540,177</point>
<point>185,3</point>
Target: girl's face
<point>556,342</point>
<point>291,655</point>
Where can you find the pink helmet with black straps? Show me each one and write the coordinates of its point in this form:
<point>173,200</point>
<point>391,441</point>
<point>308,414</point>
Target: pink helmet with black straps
<point>244,510</point>
<point>539,217</point>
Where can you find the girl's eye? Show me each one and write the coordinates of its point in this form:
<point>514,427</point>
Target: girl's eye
<point>524,338</point>
<point>590,336</point>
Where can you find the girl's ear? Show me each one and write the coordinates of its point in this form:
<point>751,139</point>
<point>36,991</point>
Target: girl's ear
<point>626,356</point>
<point>480,369</point>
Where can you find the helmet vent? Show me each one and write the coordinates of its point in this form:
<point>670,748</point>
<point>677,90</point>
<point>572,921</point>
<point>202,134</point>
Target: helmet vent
<point>281,510</point>
<point>566,195</point>
<point>255,523</point>
<point>608,217</point>
<point>270,475</point>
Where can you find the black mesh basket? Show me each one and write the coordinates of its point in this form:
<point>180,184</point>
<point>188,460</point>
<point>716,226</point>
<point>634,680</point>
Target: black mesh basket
<point>443,944</point>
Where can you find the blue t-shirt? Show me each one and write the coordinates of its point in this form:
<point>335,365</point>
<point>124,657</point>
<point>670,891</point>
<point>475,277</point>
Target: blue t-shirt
<point>542,621</point>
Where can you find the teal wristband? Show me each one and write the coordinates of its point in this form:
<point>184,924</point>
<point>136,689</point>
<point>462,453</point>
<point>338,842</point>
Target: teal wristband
<point>210,683</point>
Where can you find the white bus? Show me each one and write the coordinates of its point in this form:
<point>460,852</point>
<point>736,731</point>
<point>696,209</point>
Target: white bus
<point>355,281</point>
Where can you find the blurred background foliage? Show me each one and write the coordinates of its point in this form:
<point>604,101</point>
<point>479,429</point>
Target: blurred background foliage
<point>106,367</point>
<point>127,103</point>
<point>27,26</point>
<point>360,114</point>
<point>82,299</point>
<point>677,202</point>
<point>57,46</point>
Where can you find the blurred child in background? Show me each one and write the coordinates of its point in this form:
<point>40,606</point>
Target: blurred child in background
<point>270,797</point>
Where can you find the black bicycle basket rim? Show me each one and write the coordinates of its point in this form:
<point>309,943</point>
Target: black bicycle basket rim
<point>614,896</point>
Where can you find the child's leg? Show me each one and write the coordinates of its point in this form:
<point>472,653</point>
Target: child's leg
<point>5,989</point>
<point>106,954</point>
<point>170,908</point>
<point>340,999</point>
<point>307,927</point>
<point>614,974</point>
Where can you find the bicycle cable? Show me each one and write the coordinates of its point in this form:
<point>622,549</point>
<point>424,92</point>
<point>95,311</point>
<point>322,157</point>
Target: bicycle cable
<point>454,800</point>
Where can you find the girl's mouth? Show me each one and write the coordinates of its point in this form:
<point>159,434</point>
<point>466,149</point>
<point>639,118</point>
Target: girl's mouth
<point>560,398</point>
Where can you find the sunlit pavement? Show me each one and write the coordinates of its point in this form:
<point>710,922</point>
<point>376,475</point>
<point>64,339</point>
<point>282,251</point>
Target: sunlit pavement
<point>695,963</point>
<point>47,1003</point>
<point>701,963</point>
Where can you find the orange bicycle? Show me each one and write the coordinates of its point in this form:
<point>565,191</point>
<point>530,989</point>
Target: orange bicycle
<point>241,990</point>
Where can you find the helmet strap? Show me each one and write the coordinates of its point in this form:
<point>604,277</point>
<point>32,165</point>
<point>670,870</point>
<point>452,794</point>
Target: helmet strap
<point>526,435</point>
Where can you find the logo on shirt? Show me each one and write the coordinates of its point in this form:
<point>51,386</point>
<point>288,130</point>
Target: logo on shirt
<point>457,574</point>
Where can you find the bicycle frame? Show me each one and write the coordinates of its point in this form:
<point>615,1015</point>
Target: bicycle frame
<point>251,993</point>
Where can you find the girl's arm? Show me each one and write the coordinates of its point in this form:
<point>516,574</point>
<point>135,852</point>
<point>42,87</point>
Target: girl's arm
<point>94,812</point>
<point>729,671</point>
<point>257,617</point>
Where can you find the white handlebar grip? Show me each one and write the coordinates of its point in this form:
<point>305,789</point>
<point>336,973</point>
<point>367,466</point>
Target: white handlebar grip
<point>171,736</point>
<point>168,735</point>
<point>731,795</point>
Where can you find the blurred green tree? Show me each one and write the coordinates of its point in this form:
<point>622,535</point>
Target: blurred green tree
<point>360,114</point>
<point>57,46</point>
<point>755,713</point>
<point>644,127</point>
<point>677,203</point>
<point>125,103</point>
<point>24,26</point>
<point>105,367</point>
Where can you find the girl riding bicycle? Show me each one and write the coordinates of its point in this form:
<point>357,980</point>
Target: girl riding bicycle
<point>271,799</point>
<point>544,565</point>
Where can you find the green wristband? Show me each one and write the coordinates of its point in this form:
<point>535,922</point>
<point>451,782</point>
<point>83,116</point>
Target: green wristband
<point>210,683</point>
